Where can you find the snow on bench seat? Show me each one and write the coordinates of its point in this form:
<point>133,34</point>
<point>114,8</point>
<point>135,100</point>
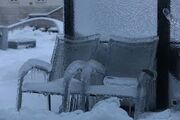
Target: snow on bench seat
<point>54,87</point>
<point>113,90</point>
<point>57,87</point>
<point>123,81</point>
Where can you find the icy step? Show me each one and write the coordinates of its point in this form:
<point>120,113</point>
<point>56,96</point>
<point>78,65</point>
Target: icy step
<point>54,87</point>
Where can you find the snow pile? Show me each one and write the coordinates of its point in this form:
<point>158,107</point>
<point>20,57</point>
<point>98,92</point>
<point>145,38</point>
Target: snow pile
<point>104,110</point>
<point>165,115</point>
<point>108,110</point>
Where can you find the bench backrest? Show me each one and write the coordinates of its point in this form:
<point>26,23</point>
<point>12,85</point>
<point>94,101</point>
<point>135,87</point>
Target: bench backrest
<point>128,57</point>
<point>68,49</point>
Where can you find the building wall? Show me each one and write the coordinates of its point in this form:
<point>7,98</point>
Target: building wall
<point>12,11</point>
<point>36,3</point>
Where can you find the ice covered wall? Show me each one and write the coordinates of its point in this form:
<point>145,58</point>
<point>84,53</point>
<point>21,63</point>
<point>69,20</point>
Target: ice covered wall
<point>129,18</point>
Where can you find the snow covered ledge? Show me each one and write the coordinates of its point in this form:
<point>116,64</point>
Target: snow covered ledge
<point>50,23</point>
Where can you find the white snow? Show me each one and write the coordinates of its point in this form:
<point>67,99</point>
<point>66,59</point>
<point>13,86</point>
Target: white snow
<point>104,110</point>
<point>164,115</point>
<point>34,106</point>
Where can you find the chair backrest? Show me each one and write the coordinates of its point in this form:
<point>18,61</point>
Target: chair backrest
<point>68,49</point>
<point>102,52</point>
<point>128,56</point>
<point>83,48</point>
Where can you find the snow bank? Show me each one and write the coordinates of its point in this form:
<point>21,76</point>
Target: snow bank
<point>104,110</point>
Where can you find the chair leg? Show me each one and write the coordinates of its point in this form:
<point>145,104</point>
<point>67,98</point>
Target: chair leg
<point>71,103</point>
<point>87,103</point>
<point>64,106</point>
<point>129,109</point>
<point>49,102</point>
<point>19,100</point>
<point>139,107</point>
<point>136,112</point>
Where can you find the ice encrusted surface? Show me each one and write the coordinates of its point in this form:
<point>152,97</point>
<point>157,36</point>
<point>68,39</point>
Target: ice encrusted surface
<point>118,17</point>
<point>35,63</point>
<point>54,87</point>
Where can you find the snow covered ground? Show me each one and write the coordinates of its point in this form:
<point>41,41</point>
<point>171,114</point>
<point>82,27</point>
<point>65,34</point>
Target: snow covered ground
<point>34,106</point>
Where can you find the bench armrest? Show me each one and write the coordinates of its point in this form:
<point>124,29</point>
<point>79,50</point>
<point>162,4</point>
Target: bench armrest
<point>34,64</point>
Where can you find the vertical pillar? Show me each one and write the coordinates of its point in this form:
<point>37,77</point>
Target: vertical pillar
<point>163,56</point>
<point>3,37</point>
<point>69,17</point>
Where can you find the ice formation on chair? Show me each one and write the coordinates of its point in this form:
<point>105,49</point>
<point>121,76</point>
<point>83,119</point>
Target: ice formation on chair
<point>67,60</point>
<point>130,72</point>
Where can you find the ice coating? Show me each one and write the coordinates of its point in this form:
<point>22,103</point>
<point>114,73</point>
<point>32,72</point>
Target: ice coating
<point>117,17</point>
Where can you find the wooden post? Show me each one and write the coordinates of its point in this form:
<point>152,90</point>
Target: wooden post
<point>69,17</point>
<point>163,56</point>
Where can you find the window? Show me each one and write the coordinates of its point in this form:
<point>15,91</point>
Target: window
<point>41,1</point>
<point>116,17</point>
<point>13,1</point>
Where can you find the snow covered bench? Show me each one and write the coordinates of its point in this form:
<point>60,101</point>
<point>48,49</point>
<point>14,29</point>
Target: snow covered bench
<point>56,87</point>
<point>40,22</point>
<point>63,66</point>
<point>129,67</point>
<point>123,58</point>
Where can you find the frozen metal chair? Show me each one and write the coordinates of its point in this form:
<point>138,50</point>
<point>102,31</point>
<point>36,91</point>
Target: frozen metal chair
<point>67,62</point>
<point>129,72</point>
